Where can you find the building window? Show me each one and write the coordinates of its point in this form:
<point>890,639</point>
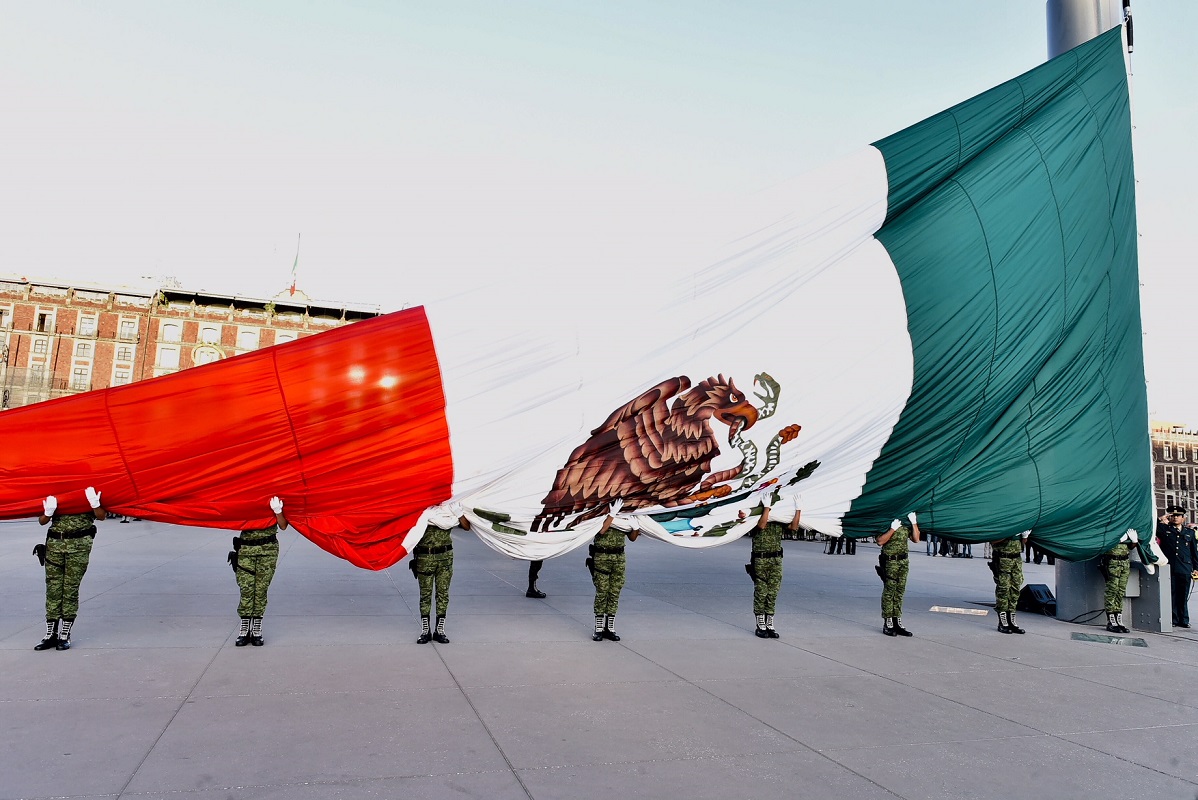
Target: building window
<point>45,322</point>
<point>1181,452</point>
<point>1168,453</point>
<point>87,326</point>
<point>37,374</point>
<point>247,340</point>
<point>210,335</point>
<point>79,378</point>
<point>39,346</point>
<point>168,357</point>
<point>5,318</point>
<point>206,355</point>
<point>124,354</point>
<point>128,329</point>
<point>171,332</point>
<point>83,350</point>
<point>121,377</point>
<point>1168,477</point>
<point>284,336</point>
<point>1181,478</point>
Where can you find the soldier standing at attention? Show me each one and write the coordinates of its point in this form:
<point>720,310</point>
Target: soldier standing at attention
<point>765,567</point>
<point>1176,540</point>
<point>65,556</point>
<point>1115,568</point>
<point>254,557</point>
<point>607,564</point>
<point>432,563</point>
<point>893,567</point>
<point>1007,566</point>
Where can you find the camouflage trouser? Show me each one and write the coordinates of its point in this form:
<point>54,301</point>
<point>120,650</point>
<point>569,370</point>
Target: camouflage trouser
<point>609,581</point>
<point>766,584</point>
<point>438,569</point>
<point>66,561</point>
<point>1116,585</point>
<point>255,569</point>
<point>894,587</point>
<point>1008,580</point>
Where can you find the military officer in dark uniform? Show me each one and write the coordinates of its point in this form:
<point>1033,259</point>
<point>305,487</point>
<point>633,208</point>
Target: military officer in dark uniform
<point>432,563</point>
<point>1177,542</point>
<point>607,565</point>
<point>65,556</point>
<point>893,567</point>
<point>1116,567</point>
<point>254,557</point>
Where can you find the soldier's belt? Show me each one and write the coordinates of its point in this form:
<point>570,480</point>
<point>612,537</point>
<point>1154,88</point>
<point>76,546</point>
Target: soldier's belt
<point>1009,555</point>
<point>240,541</point>
<point>770,554</point>
<point>1118,558</point>
<point>611,551</point>
<point>432,551</point>
<point>90,531</point>
<point>895,557</point>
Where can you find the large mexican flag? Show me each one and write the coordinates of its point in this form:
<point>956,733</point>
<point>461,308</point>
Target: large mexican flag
<point>946,323</point>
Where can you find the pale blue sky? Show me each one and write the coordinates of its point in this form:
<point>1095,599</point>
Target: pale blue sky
<point>196,139</point>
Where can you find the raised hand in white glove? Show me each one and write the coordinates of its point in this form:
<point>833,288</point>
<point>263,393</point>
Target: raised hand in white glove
<point>276,505</point>
<point>616,505</point>
<point>896,524</point>
<point>911,517</point>
<point>50,505</point>
<point>1025,534</point>
<point>93,497</point>
<point>1132,536</point>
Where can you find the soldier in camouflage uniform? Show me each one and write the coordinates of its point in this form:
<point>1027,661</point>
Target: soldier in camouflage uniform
<point>65,555</point>
<point>1116,566</point>
<point>1007,567</point>
<point>432,564</point>
<point>607,565</point>
<point>254,557</point>
<point>893,567</point>
<point>765,568</point>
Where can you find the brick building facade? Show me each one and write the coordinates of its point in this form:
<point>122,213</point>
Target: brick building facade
<point>59,339</point>
<point>1174,464</point>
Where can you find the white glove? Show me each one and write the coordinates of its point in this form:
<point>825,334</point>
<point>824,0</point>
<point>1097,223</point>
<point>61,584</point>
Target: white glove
<point>911,517</point>
<point>93,497</point>
<point>616,505</point>
<point>457,509</point>
<point>50,505</point>
<point>1132,536</point>
<point>896,524</point>
<point>1025,534</point>
<point>276,505</point>
<point>767,498</point>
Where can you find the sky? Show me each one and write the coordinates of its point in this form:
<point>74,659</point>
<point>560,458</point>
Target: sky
<point>410,141</point>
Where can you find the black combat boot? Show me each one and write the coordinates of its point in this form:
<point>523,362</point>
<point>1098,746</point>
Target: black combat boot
<point>609,628</point>
<point>899,630</point>
<point>426,635</point>
<point>439,633</point>
<point>888,627</point>
<point>1003,625</point>
<point>51,639</point>
<point>534,592</point>
<point>769,627</point>
<point>600,624</point>
<point>761,632</point>
<point>243,633</point>
<point>1119,622</point>
<point>1013,628</point>
<point>256,631</point>
<point>1111,624</point>
<point>64,634</point>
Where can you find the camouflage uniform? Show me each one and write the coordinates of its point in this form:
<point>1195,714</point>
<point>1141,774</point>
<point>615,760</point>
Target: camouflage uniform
<point>1118,567</point>
<point>609,571</point>
<point>894,568</point>
<point>68,549</point>
<point>765,568</point>
<point>257,557</point>
<point>434,568</point>
<point>1007,566</point>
